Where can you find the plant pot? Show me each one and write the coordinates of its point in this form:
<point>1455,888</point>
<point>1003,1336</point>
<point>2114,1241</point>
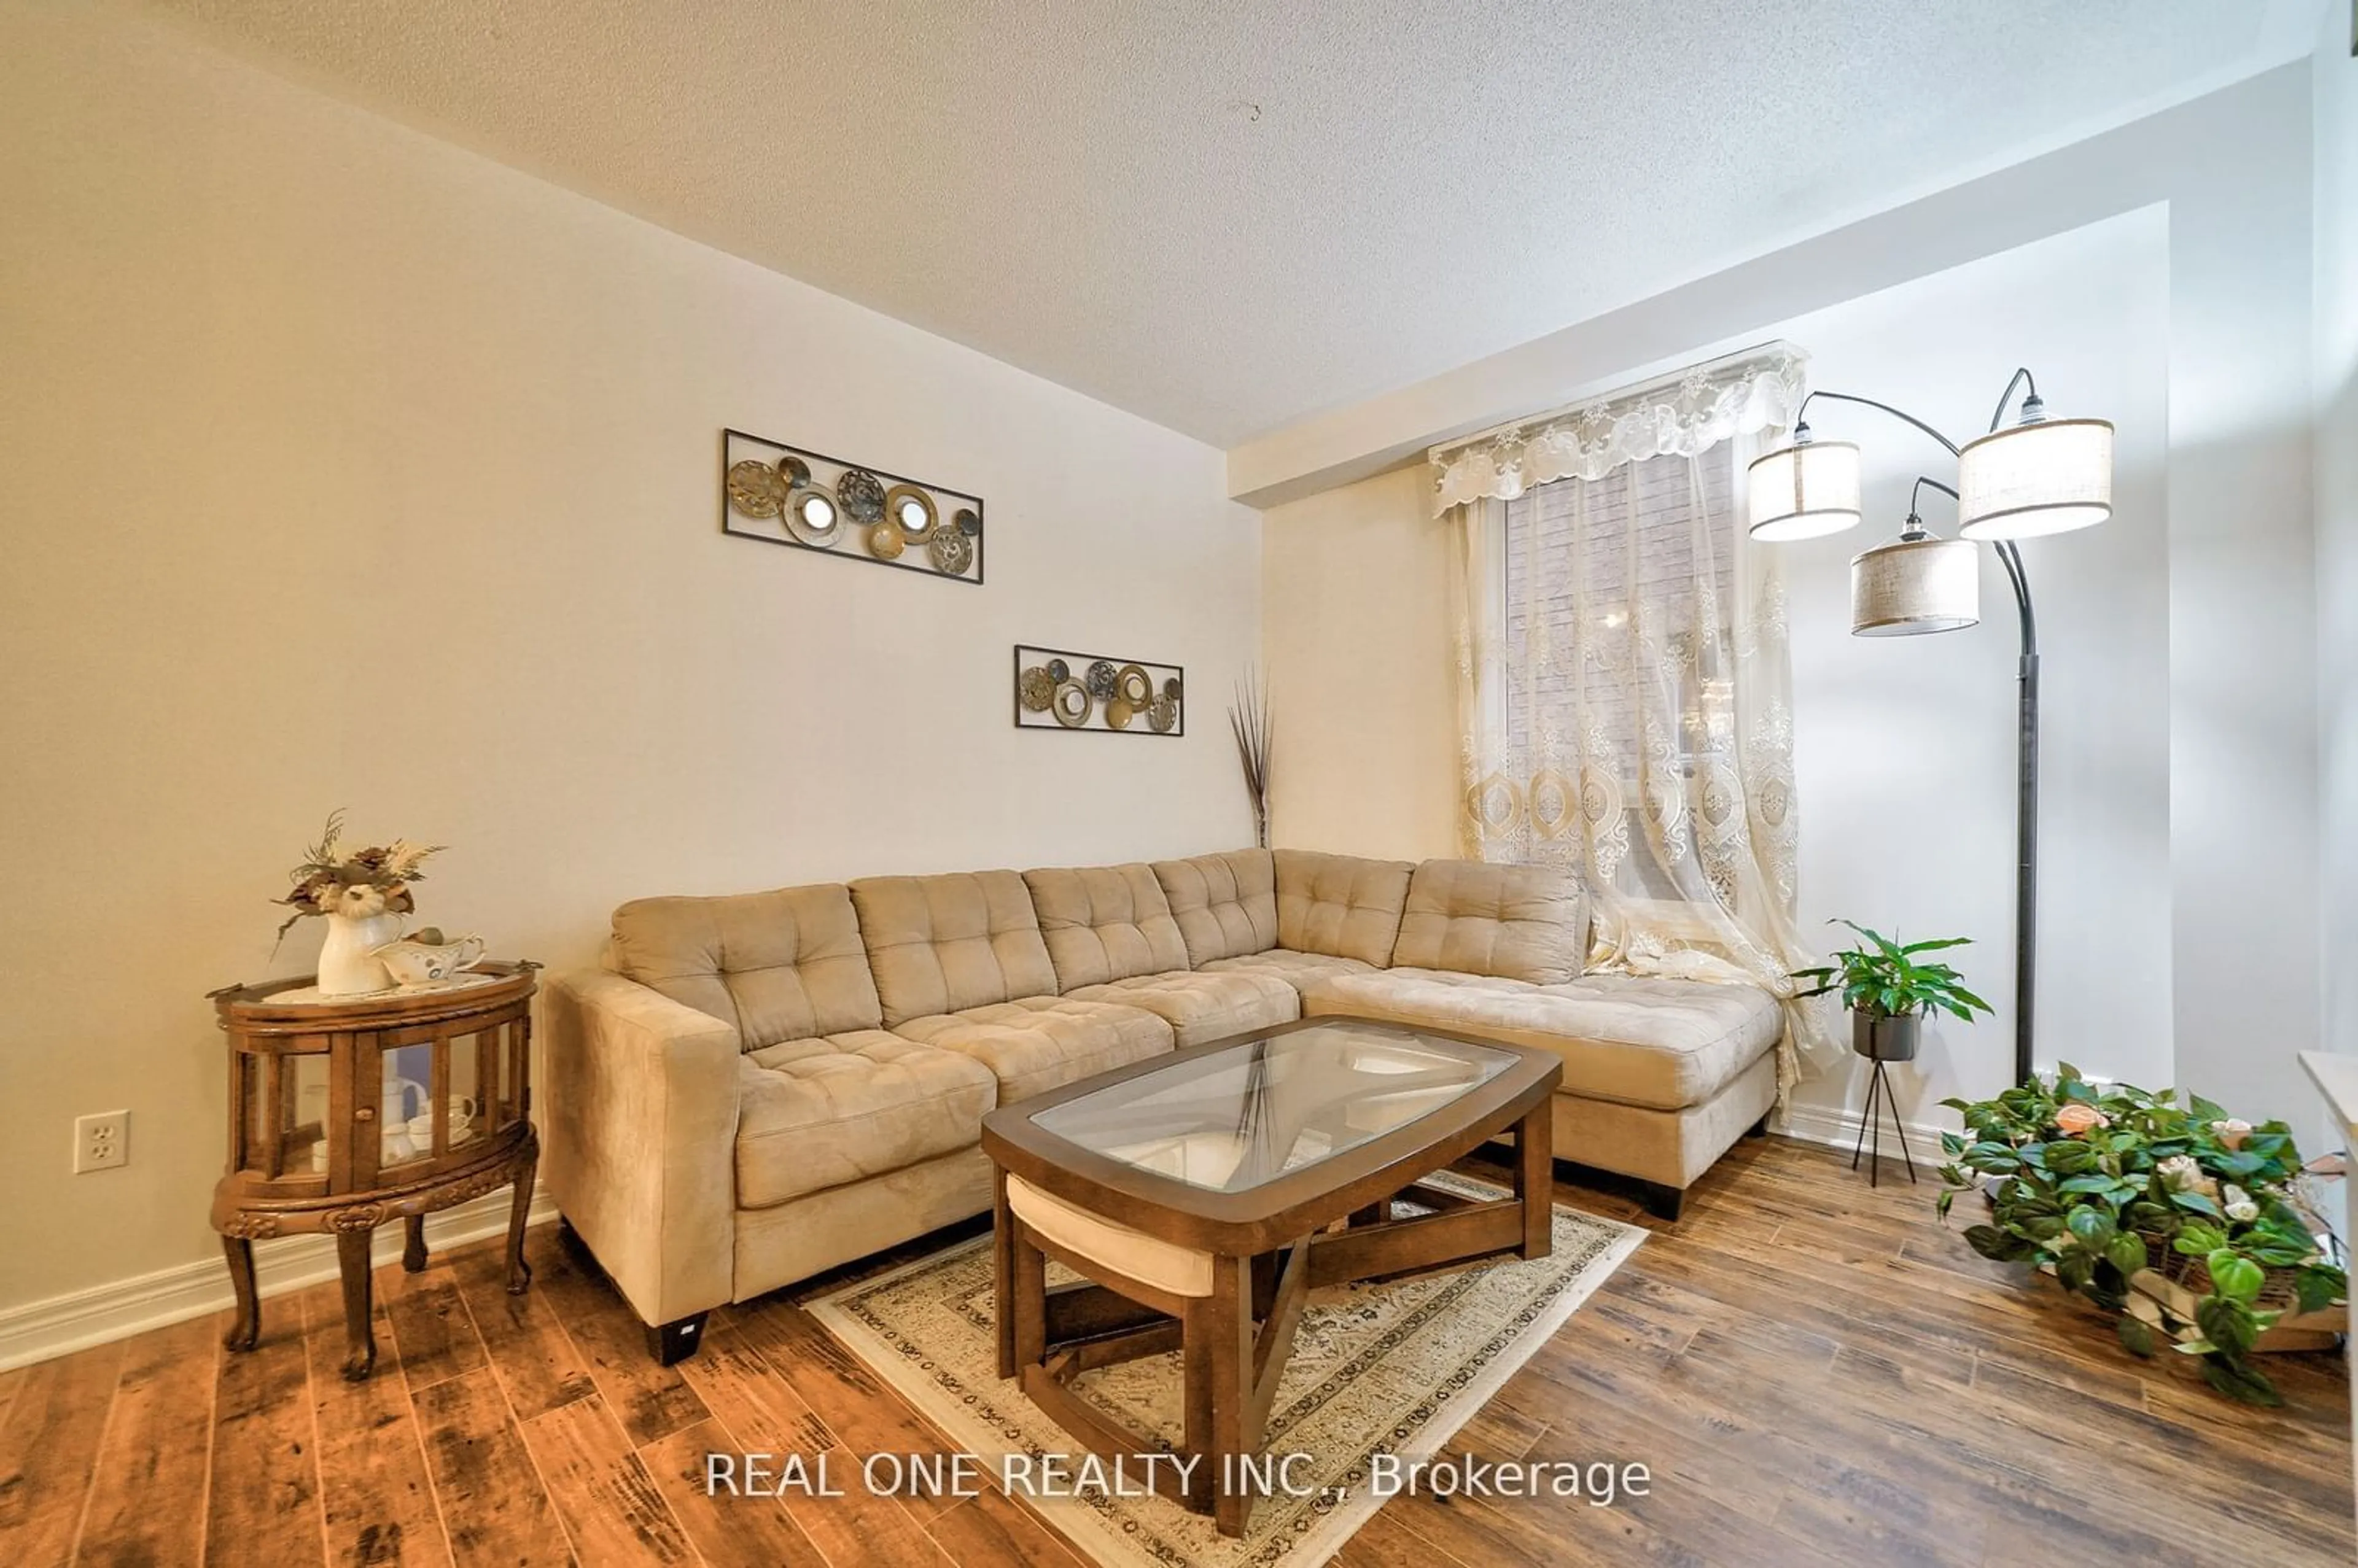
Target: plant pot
<point>1883,1037</point>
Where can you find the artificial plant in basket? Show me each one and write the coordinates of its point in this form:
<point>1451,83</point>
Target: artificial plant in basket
<point>2105,1181</point>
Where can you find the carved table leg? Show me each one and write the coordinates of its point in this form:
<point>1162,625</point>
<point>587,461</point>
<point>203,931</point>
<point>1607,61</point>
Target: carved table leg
<point>246,1328</point>
<point>412,1243</point>
<point>360,1337</point>
<point>520,1272</point>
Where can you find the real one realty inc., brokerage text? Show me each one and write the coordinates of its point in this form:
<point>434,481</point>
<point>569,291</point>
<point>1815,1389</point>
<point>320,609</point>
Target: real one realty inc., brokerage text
<point>831,1473</point>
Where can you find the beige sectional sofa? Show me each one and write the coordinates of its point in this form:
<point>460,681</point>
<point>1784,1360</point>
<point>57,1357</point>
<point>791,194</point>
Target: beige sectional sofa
<point>761,1086</point>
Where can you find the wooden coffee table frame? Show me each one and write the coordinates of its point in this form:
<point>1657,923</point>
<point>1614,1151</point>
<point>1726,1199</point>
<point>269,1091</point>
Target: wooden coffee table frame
<point>1269,1245</point>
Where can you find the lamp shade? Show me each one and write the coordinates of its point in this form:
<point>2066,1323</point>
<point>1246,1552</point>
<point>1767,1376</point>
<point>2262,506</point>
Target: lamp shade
<point>1912,586</point>
<point>2048,477</point>
<point>1801,492</point>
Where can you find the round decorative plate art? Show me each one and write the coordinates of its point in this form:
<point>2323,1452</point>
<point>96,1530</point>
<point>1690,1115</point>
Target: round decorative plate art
<point>862,495</point>
<point>755,489</point>
<point>952,551</point>
<point>806,499</point>
<point>1067,690</point>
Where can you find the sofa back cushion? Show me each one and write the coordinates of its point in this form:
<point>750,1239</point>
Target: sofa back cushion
<point>784,965</point>
<point>948,943</point>
<point>1225,905</point>
<point>1340,905</point>
<point>1105,923</point>
<point>1519,923</point>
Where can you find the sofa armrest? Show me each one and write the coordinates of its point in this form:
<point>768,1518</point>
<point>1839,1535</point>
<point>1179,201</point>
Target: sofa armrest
<point>642,1097</point>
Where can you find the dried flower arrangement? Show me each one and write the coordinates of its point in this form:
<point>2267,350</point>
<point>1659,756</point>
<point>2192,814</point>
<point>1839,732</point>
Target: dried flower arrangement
<point>375,880</point>
<point>1248,721</point>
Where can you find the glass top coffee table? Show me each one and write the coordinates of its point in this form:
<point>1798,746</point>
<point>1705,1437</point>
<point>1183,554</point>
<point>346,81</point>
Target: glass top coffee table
<point>1200,1195</point>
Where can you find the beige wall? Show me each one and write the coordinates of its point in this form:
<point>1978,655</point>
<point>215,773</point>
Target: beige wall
<point>1362,675</point>
<point>343,467</point>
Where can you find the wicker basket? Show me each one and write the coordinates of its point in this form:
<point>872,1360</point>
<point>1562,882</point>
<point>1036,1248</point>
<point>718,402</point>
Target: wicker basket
<point>2277,1293</point>
<point>2179,1282</point>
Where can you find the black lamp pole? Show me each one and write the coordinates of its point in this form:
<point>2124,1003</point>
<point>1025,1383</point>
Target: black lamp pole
<point>2026,809</point>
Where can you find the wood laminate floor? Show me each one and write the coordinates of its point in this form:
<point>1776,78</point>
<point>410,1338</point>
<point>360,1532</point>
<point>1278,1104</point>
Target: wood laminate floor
<point>1814,1372</point>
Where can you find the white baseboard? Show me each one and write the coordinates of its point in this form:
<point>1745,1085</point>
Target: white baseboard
<point>1840,1130</point>
<point>40,1330</point>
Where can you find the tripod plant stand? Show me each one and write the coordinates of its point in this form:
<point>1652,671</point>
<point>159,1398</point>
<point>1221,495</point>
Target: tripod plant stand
<point>1878,1093</point>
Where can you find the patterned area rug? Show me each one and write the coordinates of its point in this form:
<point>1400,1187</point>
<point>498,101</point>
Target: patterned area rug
<point>1395,1368</point>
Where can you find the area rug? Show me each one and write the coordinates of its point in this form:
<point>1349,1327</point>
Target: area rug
<point>1393,1367</point>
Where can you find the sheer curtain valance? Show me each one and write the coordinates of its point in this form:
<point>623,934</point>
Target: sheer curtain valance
<point>1623,683</point>
<point>1680,415</point>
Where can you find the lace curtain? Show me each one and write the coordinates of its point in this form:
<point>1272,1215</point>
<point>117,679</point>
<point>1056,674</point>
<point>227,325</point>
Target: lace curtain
<point>1625,686</point>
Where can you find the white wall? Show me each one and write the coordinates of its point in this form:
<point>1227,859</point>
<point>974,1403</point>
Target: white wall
<point>2336,91</point>
<point>1904,746</point>
<point>2212,970</point>
<point>343,467</point>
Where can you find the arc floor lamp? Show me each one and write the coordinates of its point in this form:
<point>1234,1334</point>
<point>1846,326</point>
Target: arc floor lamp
<point>2035,477</point>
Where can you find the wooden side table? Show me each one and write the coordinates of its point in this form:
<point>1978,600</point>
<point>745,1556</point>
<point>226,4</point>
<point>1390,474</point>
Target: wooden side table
<point>349,1111</point>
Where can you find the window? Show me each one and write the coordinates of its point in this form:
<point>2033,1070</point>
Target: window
<point>1617,601</point>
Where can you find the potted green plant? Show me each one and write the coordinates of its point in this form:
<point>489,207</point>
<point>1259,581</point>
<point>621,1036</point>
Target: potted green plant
<point>1888,988</point>
<point>2179,1218</point>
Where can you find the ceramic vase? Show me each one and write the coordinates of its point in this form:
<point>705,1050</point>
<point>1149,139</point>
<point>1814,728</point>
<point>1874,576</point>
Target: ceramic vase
<point>347,964</point>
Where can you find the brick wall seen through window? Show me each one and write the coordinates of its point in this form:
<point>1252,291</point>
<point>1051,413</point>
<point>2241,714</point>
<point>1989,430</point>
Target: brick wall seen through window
<point>1596,575</point>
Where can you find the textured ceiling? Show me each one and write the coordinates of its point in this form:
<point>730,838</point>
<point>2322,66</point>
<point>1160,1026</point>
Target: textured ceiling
<point>1225,216</point>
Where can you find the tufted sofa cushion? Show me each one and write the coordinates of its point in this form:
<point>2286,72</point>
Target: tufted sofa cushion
<point>1522,923</point>
<point>814,1114</point>
<point>1037,1043</point>
<point>1225,905</point>
<point>1296,970</point>
<point>1340,904</point>
<point>1638,1040</point>
<point>1105,923</point>
<point>944,943</point>
<point>1202,1006</point>
<point>784,965</point>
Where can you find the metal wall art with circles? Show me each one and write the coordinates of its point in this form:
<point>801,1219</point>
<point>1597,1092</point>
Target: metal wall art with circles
<point>789,495</point>
<point>1056,688</point>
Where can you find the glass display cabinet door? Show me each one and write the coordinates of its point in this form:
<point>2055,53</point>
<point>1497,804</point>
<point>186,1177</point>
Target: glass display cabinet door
<point>283,1113</point>
<point>436,1098</point>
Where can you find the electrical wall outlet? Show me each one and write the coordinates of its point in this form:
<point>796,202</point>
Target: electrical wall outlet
<point>102,1141</point>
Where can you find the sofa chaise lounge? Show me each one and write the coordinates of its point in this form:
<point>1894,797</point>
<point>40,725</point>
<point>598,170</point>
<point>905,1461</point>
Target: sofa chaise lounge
<point>758,1088</point>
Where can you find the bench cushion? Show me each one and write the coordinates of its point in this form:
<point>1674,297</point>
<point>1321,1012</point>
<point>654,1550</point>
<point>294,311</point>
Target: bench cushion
<point>1521,922</point>
<point>784,965</point>
<point>814,1114</point>
<point>1105,923</point>
<point>1340,904</point>
<point>1202,1006</point>
<point>1036,1042</point>
<point>1125,1252</point>
<point>944,943</point>
<point>1225,905</point>
<point>1638,1040</point>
